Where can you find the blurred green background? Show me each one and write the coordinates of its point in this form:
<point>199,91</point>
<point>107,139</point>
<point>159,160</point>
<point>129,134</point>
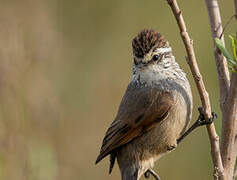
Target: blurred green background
<point>64,66</point>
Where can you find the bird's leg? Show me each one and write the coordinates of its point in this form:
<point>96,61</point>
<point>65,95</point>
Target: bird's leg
<point>151,172</point>
<point>200,122</point>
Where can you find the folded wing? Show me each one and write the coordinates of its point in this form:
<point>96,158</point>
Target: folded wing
<point>141,109</point>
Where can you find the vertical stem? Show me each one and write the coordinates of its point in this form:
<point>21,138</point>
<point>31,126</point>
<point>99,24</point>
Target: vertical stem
<point>228,94</point>
<point>221,64</point>
<point>228,144</point>
<point>214,139</point>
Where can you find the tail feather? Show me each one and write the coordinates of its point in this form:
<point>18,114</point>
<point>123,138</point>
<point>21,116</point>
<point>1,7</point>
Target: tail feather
<point>100,157</point>
<point>112,161</point>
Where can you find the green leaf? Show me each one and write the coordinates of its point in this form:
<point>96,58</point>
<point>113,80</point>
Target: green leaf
<point>222,48</point>
<point>232,62</point>
<point>234,46</point>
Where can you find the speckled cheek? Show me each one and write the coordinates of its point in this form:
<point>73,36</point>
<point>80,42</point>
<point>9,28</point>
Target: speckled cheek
<point>166,63</point>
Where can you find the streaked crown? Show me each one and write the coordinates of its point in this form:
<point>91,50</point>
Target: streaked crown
<point>146,41</point>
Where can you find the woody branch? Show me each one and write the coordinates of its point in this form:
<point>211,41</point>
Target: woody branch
<point>191,59</point>
<point>228,94</point>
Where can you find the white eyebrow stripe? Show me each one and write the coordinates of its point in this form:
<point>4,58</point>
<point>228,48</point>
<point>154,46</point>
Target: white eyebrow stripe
<point>163,50</point>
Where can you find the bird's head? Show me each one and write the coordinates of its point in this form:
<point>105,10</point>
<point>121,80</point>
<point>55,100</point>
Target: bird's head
<point>149,48</point>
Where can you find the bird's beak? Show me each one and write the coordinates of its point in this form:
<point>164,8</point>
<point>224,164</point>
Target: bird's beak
<point>141,65</point>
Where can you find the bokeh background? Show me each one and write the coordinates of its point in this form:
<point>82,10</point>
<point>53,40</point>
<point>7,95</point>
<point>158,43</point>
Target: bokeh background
<point>64,66</point>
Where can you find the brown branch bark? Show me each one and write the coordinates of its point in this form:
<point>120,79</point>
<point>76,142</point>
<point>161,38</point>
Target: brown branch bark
<point>221,64</point>
<point>228,93</point>
<point>214,139</point>
<point>229,150</point>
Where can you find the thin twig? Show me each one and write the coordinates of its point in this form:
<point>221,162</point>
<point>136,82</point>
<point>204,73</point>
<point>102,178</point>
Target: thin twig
<point>214,139</point>
<point>225,26</point>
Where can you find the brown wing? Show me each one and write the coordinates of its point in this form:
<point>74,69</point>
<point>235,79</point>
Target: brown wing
<point>141,108</point>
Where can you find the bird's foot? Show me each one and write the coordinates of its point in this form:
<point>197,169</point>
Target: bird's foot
<point>200,122</point>
<point>201,119</point>
<point>151,172</point>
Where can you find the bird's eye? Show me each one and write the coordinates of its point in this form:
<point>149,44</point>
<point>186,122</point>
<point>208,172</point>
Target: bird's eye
<point>155,57</point>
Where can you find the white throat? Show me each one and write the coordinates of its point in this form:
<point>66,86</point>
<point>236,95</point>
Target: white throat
<point>153,73</point>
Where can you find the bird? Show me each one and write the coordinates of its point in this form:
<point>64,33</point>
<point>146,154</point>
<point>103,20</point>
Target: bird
<point>155,110</point>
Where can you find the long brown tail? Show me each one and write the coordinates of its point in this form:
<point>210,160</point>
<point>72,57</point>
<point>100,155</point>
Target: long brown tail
<point>112,161</point>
